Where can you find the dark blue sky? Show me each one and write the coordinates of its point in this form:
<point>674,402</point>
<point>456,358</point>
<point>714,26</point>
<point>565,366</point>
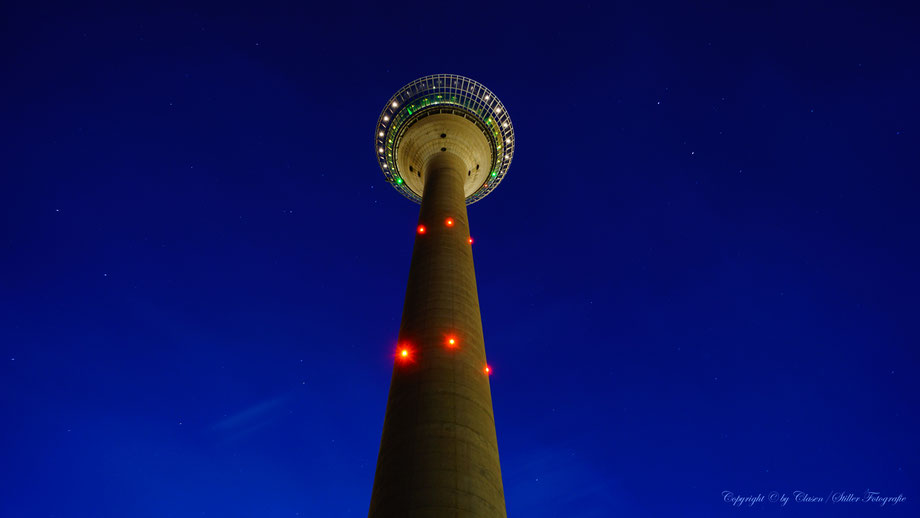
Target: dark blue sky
<point>700,274</point>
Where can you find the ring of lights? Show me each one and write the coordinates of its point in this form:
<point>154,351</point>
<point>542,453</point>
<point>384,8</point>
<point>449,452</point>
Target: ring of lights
<point>444,94</point>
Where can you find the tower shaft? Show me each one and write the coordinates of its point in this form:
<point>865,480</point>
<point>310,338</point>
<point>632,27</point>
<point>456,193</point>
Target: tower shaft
<point>439,453</point>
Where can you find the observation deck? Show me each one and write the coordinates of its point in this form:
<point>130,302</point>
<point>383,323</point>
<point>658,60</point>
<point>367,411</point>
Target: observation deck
<point>444,113</point>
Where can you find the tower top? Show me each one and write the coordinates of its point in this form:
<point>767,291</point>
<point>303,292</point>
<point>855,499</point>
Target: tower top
<point>444,113</point>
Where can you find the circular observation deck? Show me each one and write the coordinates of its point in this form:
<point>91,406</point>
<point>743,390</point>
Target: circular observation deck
<point>444,113</point>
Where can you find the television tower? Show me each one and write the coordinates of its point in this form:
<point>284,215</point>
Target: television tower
<point>444,141</point>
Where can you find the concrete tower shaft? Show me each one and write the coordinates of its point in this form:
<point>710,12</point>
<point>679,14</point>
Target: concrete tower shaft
<point>439,452</point>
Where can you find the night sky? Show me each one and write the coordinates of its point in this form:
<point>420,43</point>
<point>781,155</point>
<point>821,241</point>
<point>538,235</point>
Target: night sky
<point>700,274</point>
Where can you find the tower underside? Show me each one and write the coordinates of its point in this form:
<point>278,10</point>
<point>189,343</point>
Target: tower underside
<point>439,452</point>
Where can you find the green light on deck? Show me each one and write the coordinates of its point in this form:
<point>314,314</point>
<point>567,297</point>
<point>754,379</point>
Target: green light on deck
<point>399,181</point>
<point>494,174</point>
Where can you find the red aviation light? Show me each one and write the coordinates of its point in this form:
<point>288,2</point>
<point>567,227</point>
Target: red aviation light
<point>422,229</point>
<point>487,370</point>
<point>403,354</point>
<point>451,342</point>
<point>449,222</point>
<point>470,240</point>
